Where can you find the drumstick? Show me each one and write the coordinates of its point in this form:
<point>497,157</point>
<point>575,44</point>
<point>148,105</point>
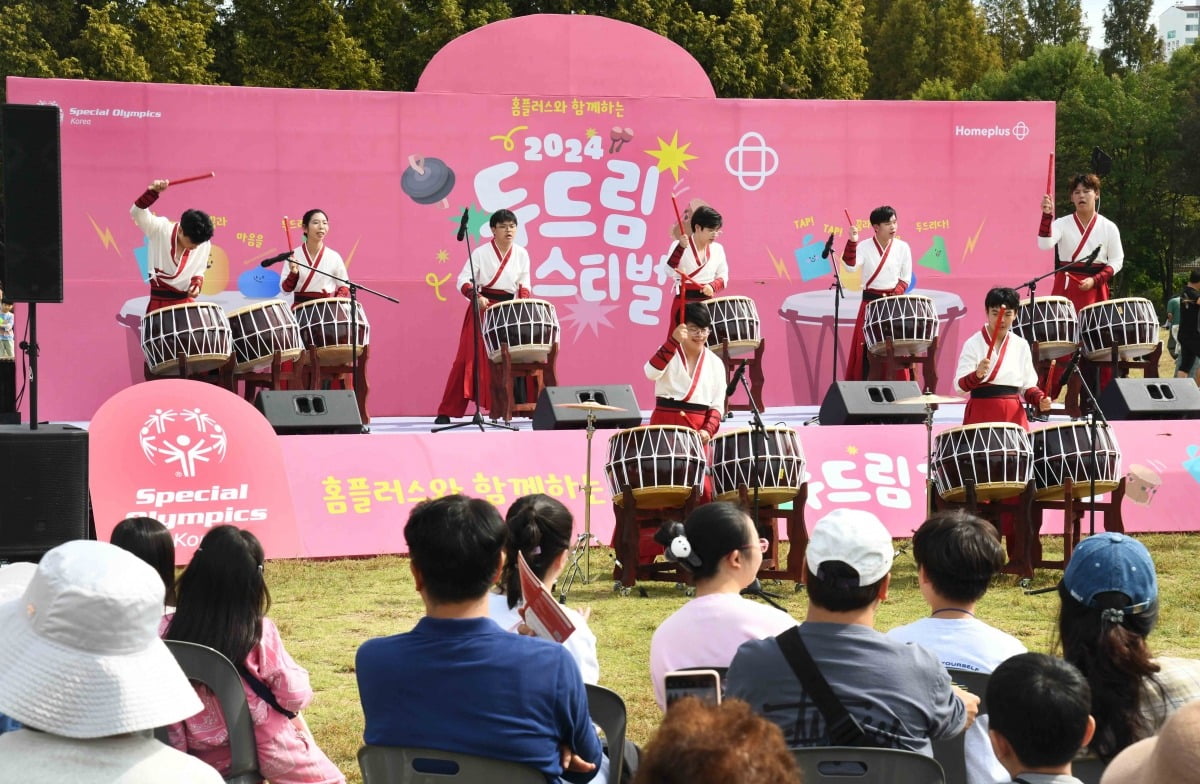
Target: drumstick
<point>182,180</point>
<point>287,230</point>
<point>849,220</point>
<point>995,330</point>
<point>1050,174</point>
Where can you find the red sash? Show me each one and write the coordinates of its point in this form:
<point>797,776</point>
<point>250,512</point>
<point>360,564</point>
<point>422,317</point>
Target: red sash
<point>179,265</point>
<point>1085,232</point>
<point>695,373</point>
<point>313,264</point>
<point>999,356</point>
<point>503,263</point>
<point>883,254</point>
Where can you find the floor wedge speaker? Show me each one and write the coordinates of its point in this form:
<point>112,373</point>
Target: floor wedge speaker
<point>1151,398</point>
<point>305,411</point>
<point>44,487</point>
<point>551,414</point>
<point>870,403</point>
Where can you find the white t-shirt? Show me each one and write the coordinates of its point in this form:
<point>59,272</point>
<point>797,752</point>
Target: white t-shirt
<point>707,631</point>
<point>967,644</point>
<point>581,644</point>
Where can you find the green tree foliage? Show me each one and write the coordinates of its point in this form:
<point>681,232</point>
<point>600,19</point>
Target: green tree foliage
<point>174,41</point>
<point>1008,25</point>
<point>1056,22</point>
<point>106,50</point>
<point>1130,40</point>
<point>24,50</point>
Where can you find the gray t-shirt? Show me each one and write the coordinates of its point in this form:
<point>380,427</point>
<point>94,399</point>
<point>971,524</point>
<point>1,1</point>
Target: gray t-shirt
<point>900,693</point>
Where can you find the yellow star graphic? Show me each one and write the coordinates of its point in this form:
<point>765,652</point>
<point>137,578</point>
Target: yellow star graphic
<point>852,450</point>
<point>590,132</point>
<point>442,257</point>
<point>671,156</point>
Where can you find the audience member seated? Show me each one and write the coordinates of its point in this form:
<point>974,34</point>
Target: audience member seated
<point>151,541</point>
<point>458,682</point>
<point>899,694</point>
<point>1170,757</point>
<point>223,603</point>
<point>699,743</point>
<point>539,527</point>
<point>1038,706</point>
<point>1109,596</point>
<point>957,553</point>
<point>86,675</point>
<point>720,546</point>
<point>13,579</point>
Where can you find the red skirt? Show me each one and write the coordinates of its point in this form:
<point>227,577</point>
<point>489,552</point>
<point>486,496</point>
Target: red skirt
<point>984,410</point>
<point>459,391</point>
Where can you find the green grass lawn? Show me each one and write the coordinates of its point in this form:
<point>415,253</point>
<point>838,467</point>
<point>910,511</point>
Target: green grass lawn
<point>325,609</point>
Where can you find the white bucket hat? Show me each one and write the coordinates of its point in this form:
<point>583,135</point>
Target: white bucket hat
<point>80,647</point>
<point>14,577</point>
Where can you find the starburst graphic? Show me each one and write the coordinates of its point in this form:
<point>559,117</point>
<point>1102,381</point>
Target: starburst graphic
<point>583,314</point>
<point>476,220</point>
<point>590,132</point>
<point>442,256</point>
<point>105,235</point>
<point>671,156</point>
<point>852,450</point>
<point>970,246</point>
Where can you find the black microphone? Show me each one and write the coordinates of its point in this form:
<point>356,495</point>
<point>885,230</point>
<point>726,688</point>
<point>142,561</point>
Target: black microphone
<point>828,247</point>
<point>737,376</point>
<point>1072,363</point>
<point>462,227</point>
<point>276,259</point>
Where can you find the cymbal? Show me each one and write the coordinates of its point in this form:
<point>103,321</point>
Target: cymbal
<point>588,405</point>
<point>929,399</point>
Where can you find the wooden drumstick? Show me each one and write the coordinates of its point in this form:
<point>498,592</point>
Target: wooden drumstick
<point>995,332</point>
<point>849,220</point>
<point>287,230</point>
<point>182,180</point>
<point>1050,175</point>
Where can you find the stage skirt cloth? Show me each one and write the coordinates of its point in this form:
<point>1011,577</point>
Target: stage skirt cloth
<point>459,390</point>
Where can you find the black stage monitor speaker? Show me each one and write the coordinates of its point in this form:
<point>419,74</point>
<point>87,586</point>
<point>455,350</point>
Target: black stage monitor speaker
<point>43,489</point>
<point>305,412</point>
<point>550,415</point>
<point>1151,398</point>
<point>32,203</point>
<point>870,403</point>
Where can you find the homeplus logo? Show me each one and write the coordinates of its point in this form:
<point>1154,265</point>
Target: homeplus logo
<point>1018,131</point>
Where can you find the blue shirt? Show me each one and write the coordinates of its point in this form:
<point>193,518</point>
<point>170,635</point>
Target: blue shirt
<point>466,685</point>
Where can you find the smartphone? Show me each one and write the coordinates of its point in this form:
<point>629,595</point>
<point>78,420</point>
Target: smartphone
<point>704,684</point>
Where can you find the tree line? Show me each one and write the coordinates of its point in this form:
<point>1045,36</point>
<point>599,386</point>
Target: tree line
<point>1141,110</point>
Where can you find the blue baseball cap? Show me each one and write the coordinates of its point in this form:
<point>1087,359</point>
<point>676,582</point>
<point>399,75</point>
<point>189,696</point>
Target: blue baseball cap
<point>1112,562</point>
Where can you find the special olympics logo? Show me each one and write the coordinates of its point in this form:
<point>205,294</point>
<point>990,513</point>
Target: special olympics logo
<point>184,438</point>
<point>1020,130</point>
<point>764,159</point>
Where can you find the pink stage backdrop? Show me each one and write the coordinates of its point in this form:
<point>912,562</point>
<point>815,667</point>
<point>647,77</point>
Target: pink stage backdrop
<point>589,173</point>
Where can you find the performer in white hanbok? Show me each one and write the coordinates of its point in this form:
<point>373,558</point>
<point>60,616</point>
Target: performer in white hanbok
<point>309,284</point>
<point>177,253</point>
<point>886,263</point>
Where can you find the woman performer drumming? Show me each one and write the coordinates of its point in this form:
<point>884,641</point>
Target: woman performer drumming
<point>706,275</point>
<point>310,284</point>
<point>177,253</point>
<point>502,270</point>
<point>886,270</point>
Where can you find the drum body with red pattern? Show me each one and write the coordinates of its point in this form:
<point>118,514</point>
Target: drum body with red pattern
<point>260,331</point>
<point>325,326</point>
<point>661,465</point>
<point>196,330</point>
<point>996,457</point>
<point>910,321</point>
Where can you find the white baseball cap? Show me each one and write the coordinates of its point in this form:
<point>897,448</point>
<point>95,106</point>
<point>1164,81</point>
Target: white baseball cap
<point>856,538</point>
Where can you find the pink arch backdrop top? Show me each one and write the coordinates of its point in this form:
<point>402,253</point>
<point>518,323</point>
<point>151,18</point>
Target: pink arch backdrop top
<point>586,135</point>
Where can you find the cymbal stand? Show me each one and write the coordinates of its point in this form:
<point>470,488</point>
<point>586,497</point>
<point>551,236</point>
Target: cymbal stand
<point>929,488</point>
<point>583,543</point>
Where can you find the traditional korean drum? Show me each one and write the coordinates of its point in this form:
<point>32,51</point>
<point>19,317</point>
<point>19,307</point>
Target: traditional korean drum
<point>196,330</point>
<point>1064,451</point>
<point>734,321</point>
<point>1130,324</point>
<point>1051,323</point>
<point>780,465</point>
<point>262,329</point>
<point>909,320</point>
<point>661,465</point>
<point>528,326</point>
<point>996,457</point>
<point>325,326</point>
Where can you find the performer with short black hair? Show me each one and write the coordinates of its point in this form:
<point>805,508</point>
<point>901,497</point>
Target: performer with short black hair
<point>689,379</point>
<point>177,253</point>
<point>707,275</point>
<point>886,270</point>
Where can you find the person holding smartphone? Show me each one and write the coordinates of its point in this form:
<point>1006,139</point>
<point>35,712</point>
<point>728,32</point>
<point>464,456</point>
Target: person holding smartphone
<point>720,546</point>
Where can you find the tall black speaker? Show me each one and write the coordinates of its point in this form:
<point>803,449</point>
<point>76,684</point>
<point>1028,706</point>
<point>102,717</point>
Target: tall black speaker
<point>1151,398</point>
<point>870,403</point>
<point>43,489</point>
<point>8,395</point>
<point>551,415</point>
<point>32,203</point>
<point>304,412</point>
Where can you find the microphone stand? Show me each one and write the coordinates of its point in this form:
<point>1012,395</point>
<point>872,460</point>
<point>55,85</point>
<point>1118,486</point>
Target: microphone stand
<point>354,289</point>
<point>758,438</point>
<point>1092,430</point>
<point>476,335</point>
<point>1032,286</point>
<point>838,295</point>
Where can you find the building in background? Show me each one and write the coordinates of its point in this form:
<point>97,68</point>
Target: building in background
<point>1178,26</point>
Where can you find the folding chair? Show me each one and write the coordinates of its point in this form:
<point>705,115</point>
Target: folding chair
<point>403,765</point>
<point>607,710</point>
<point>853,765</point>
<point>951,752</point>
<point>205,665</point>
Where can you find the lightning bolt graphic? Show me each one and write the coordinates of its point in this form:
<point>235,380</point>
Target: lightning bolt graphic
<point>105,235</point>
<point>781,269</point>
<point>970,246</point>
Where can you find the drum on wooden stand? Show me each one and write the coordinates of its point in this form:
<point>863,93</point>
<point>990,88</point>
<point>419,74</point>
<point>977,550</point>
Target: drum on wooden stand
<point>197,330</point>
<point>661,464</point>
<point>910,320</point>
<point>325,326</point>
<point>1130,324</point>
<point>734,321</point>
<point>780,465</point>
<point>1064,451</point>
<point>1051,323</point>
<point>996,457</point>
<point>528,326</point>
<point>262,329</point>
